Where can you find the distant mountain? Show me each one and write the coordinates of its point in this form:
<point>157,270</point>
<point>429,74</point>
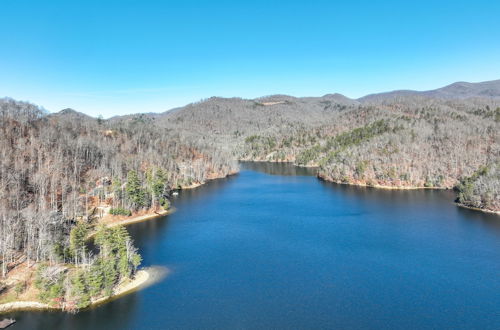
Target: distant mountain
<point>307,110</point>
<point>339,99</point>
<point>458,90</point>
<point>70,114</point>
<point>463,90</point>
<point>228,122</point>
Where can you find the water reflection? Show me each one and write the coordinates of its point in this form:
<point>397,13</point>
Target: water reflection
<point>490,220</point>
<point>284,169</point>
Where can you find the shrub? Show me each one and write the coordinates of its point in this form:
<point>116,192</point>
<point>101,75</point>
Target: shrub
<point>120,211</point>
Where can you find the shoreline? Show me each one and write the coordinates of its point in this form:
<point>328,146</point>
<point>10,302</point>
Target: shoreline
<point>143,278</point>
<point>140,218</point>
<point>477,209</point>
<point>208,179</point>
<point>290,162</point>
<point>134,219</point>
<point>266,161</point>
<point>377,186</point>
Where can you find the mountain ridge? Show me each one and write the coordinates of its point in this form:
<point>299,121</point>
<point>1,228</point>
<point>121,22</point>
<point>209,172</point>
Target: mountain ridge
<point>456,90</point>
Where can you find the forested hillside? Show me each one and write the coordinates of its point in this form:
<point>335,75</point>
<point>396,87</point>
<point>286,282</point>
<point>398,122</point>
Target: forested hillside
<point>51,166</point>
<point>480,190</point>
<point>58,171</point>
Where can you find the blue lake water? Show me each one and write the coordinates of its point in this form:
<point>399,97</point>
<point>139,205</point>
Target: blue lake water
<point>275,248</point>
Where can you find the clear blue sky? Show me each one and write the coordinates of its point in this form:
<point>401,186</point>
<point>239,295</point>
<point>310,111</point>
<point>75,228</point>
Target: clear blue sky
<point>118,57</point>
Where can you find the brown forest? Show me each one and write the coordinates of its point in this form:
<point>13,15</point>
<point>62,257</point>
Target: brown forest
<point>53,167</point>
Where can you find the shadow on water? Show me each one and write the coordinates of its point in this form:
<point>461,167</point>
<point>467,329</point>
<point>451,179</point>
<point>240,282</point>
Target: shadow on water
<point>284,169</point>
<point>489,220</point>
<point>439,201</point>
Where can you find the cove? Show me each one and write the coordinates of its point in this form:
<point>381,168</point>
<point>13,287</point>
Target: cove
<point>275,248</point>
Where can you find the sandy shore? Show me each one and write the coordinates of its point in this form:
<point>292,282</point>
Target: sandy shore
<point>192,186</point>
<point>214,177</point>
<point>128,221</point>
<point>131,220</point>
<point>143,278</point>
<point>23,305</point>
<point>139,280</point>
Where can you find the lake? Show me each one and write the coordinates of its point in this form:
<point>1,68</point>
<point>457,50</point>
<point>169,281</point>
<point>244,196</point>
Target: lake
<point>274,247</point>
